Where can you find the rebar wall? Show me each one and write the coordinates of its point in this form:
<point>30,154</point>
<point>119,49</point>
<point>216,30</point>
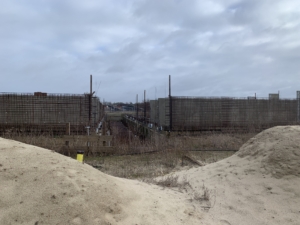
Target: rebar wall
<point>41,111</point>
<point>211,113</point>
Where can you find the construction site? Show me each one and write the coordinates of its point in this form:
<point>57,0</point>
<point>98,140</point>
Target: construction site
<point>128,144</point>
<point>224,113</point>
<point>43,112</point>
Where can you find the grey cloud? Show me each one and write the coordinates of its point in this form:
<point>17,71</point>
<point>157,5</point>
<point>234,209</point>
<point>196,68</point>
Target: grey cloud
<point>211,48</point>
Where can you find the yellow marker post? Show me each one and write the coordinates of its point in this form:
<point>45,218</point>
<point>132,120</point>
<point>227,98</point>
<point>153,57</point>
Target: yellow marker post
<point>80,156</point>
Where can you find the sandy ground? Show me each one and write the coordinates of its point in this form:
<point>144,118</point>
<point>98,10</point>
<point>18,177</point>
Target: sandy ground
<point>260,184</point>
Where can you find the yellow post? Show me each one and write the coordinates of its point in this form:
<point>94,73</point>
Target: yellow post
<point>80,156</point>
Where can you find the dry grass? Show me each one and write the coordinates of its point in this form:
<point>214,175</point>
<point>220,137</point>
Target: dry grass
<point>157,156</point>
<point>168,154</point>
<point>213,140</point>
<point>154,159</point>
<point>137,166</point>
<point>204,196</point>
<point>48,141</point>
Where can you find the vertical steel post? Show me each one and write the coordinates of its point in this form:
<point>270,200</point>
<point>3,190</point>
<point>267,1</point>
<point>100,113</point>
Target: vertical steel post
<point>298,106</point>
<point>145,106</point>
<point>90,100</point>
<point>170,105</point>
<point>137,107</point>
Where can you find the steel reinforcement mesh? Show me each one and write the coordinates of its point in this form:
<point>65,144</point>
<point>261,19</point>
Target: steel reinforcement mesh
<point>54,111</point>
<point>205,113</point>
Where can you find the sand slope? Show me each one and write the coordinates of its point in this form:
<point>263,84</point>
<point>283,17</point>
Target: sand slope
<point>38,186</point>
<point>260,184</point>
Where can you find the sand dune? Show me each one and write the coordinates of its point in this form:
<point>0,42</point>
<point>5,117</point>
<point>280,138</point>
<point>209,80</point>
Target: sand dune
<point>260,184</point>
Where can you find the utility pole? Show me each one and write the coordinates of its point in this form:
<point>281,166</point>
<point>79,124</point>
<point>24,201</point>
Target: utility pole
<point>170,104</point>
<point>91,84</point>
<point>298,106</point>
<point>137,114</point>
<point>137,107</point>
<point>145,106</point>
<point>90,99</point>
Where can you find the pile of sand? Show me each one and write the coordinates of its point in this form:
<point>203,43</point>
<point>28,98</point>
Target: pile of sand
<point>258,185</point>
<point>38,186</point>
<point>277,149</point>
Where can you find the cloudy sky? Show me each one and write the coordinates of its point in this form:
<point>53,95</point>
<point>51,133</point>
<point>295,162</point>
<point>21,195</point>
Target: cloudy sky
<point>209,47</point>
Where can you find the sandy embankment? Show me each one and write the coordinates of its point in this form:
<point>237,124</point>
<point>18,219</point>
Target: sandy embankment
<point>260,184</point>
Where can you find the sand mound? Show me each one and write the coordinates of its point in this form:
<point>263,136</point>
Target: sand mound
<point>258,185</point>
<point>278,150</point>
<point>38,186</point>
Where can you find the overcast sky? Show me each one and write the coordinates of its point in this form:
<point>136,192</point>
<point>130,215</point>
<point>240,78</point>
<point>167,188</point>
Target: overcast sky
<point>209,47</point>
